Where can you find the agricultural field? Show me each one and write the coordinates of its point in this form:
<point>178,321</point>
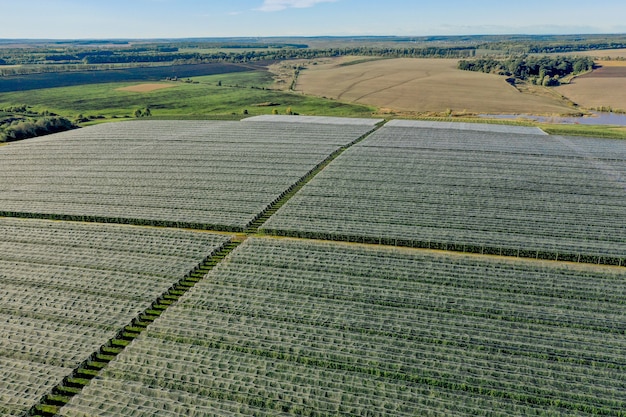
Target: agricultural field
<point>81,78</point>
<point>499,192</point>
<point>602,88</point>
<point>202,174</point>
<point>66,288</point>
<point>220,95</point>
<point>286,327</point>
<point>421,86</point>
<point>146,87</point>
<point>149,319</point>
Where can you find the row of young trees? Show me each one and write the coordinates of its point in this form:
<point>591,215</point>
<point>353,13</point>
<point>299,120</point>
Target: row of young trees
<point>544,70</point>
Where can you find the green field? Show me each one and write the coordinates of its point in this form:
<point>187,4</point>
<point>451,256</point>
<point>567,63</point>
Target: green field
<point>200,98</point>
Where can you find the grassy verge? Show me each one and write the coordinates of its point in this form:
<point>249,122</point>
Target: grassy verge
<point>596,131</point>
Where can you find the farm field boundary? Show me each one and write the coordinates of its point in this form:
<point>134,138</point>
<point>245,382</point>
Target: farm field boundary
<point>545,255</point>
<point>217,175</point>
<point>67,288</point>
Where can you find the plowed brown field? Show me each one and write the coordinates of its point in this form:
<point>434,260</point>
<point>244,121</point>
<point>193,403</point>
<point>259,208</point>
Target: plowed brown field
<point>422,86</point>
<point>604,87</point>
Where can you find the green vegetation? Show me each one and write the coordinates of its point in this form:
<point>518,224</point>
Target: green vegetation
<point>21,122</point>
<point>240,84</point>
<point>529,44</point>
<point>201,97</point>
<point>540,70</point>
<point>597,131</point>
<point>37,56</point>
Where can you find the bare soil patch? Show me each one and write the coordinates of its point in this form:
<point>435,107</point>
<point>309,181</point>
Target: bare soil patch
<point>422,86</point>
<point>601,53</point>
<point>603,87</point>
<point>607,71</point>
<point>145,88</point>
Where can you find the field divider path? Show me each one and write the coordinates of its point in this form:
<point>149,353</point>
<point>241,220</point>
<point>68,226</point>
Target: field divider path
<point>253,227</point>
<point>81,376</point>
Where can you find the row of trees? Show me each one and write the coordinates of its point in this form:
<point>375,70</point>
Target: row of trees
<point>282,54</point>
<point>544,70</point>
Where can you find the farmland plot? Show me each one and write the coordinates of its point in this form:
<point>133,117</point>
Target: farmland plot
<point>488,192</point>
<point>67,288</point>
<point>286,327</point>
<point>210,175</point>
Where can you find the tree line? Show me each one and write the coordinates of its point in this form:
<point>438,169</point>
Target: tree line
<point>138,55</point>
<point>549,44</point>
<point>92,62</point>
<point>545,70</point>
<point>29,124</point>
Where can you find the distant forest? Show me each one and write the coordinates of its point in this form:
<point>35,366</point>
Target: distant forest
<point>22,57</point>
<point>22,62</point>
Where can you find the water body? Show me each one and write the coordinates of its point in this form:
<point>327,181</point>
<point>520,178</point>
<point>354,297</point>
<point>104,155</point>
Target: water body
<point>597,118</point>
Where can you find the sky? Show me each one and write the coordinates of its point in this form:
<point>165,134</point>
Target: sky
<point>96,19</point>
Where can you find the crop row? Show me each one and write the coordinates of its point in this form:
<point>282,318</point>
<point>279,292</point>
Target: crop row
<point>23,382</point>
<point>66,288</point>
<point>120,239</point>
<point>286,327</point>
<point>401,186</point>
<point>236,384</point>
<point>480,139</point>
<point>219,175</point>
<point>443,319</point>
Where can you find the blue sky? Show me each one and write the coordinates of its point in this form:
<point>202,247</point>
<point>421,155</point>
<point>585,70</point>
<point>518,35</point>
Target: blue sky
<point>62,19</point>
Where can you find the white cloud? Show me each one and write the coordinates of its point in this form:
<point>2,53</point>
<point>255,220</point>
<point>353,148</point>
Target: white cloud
<point>276,5</point>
